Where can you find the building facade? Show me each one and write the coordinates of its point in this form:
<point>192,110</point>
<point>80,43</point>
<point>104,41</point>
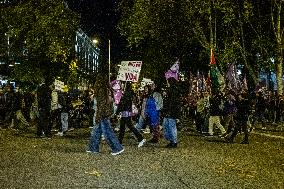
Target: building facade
<point>88,56</point>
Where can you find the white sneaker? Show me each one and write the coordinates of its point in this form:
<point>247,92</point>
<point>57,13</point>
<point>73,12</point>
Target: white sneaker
<point>141,143</point>
<point>116,153</point>
<point>91,152</point>
<point>147,130</point>
<point>59,134</point>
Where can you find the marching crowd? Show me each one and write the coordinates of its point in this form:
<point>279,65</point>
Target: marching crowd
<point>160,110</point>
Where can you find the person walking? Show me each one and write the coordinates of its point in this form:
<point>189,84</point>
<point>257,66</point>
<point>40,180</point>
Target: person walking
<point>104,109</point>
<point>125,110</point>
<point>243,108</point>
<point>215,114</point>
<point>229,112</point>
<point>55,109</point>
<point>171,112</point>
<point>152,115</point>
<point>64,103</point>
<point>142,122</point>
<point>44,103</point>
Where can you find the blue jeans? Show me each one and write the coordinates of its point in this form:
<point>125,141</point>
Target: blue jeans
<point>140,123</point>
<point>64,121</point>
<point>104,127</point>
<point>170,129</point>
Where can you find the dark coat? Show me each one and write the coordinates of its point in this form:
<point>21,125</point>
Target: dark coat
<point>125,103</point>
<point>171,104</point>
<point>215,103</point>
<point>44,98</point>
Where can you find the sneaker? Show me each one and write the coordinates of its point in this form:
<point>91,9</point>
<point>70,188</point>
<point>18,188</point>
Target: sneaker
<point>103,137</point>
<point>141,143</point>
<point>92,152</point>
<point>147,131</point>
<point>116,153</point>
<point>59,134</point>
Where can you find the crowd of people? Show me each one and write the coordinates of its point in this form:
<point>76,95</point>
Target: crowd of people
<point>160,110</point>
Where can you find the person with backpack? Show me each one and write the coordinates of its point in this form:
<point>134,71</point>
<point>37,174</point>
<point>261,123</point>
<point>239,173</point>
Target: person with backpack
<point>152,115</point>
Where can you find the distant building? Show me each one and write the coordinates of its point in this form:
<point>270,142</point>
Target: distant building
<point>88,56</point>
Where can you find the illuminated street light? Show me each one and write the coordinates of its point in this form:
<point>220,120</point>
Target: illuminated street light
<point>95,41</point>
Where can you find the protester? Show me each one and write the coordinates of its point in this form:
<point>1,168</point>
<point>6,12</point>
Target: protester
<point>158,98</point>
<point>18,119</point>
<point>171,112</point>
<point>261,109</point>
<point>152,115</point>
<point>241,119</point>
<point>125,110</point>
<point>143,119</point>
<point>200,113</point>
<point>215,114</point>
<point>9,94</point>
<point>229,112</point>
<point>55,109</point>
<point>44,103</point>
<point>2,106</point>
<point>64,103</point>
<point>104,110</point>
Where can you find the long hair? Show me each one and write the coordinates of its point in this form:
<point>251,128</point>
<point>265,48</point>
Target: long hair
<point>101,85</point>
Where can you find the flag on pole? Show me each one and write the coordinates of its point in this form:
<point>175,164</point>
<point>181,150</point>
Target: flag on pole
<point>173,71</point>
<point>212,58</point>
<point>214,72</point>
<point>217,80</point>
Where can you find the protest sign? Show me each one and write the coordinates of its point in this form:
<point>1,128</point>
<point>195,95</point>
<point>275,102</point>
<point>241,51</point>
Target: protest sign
<point>145,82</point>
<point>129,71</point>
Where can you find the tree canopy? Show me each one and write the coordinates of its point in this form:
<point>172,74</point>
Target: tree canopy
<point>238,31</point>
<point>41,36</point>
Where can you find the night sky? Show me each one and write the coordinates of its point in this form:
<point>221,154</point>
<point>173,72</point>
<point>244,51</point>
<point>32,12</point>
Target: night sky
<point>99,19</point>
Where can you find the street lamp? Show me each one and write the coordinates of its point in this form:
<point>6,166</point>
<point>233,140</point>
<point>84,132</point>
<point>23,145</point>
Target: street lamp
<point>95,41</point>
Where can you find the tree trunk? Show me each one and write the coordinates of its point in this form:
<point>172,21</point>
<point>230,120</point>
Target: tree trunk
<point>279,59</point>
<point>243,47</point>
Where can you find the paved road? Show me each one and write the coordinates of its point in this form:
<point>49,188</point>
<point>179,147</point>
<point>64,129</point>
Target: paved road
<point>198,162</point>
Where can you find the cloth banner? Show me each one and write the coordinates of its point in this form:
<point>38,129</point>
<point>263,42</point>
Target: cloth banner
<point>173,71</point>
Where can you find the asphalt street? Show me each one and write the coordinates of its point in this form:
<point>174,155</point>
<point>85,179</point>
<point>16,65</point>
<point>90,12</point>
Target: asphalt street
<point>198,162</point>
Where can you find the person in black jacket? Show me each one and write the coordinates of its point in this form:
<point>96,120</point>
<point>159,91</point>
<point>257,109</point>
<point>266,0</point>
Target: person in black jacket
<point>171,112</point>
<point>44,103</point>
<point>125,109</point>
<point>241,119</point>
